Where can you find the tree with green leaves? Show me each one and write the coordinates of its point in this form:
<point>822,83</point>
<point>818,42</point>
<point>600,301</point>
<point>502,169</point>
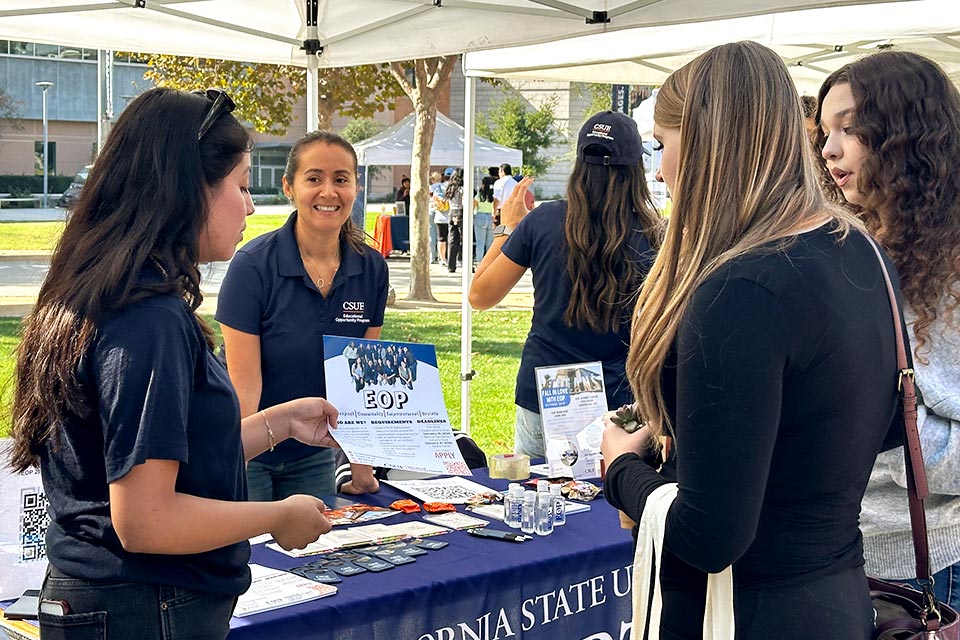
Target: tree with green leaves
<point>359,129</point>
<point>266,94</point>
<point>513,122</point>
<point>430,77</point>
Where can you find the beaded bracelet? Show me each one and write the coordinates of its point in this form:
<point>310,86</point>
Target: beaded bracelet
<point>270,437</point>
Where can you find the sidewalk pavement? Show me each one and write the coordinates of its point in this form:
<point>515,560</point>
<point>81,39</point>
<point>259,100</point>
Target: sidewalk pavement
<point>17,299</point>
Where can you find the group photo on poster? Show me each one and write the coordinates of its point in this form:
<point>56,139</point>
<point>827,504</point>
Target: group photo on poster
<point>392,412</point>
<point>384,364</point>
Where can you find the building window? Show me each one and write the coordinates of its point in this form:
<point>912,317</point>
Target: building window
<point>47,50</point>
<point>51,158</point>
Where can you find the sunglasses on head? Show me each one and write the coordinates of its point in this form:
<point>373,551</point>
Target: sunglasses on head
<point>222,103</point>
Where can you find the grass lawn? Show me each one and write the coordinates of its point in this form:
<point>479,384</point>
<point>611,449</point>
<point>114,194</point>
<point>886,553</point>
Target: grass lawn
<point>29,236</point>
<point>43,236</point>
<point>498,339</point>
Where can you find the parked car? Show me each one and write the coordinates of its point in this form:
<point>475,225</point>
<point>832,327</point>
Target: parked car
<point>69,197</point>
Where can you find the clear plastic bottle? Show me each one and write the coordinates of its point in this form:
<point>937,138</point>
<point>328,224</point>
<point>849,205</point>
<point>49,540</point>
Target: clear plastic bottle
<point>544,513</point>
<point>529,523</point>
<point>559,506</point>
<point>543,485</point>
<point>513,506</point>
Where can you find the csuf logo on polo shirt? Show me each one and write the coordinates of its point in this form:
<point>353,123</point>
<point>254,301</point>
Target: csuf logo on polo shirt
<point>353,312</point>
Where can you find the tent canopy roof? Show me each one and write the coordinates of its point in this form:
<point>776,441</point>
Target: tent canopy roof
<point>813,43</point>
<point>349,33</point>
<point>394,146</point>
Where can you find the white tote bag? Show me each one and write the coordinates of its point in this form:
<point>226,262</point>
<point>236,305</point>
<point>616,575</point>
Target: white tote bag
<point>718,617</point>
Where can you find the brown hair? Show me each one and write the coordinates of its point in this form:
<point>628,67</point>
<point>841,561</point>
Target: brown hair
<point>606,205</point>
<point>145,202</point>
<point>908,116</point>
<point>349,232</point>
<point>746,178</point>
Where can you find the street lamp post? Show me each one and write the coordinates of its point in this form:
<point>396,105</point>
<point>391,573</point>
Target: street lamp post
<point>44,85</point>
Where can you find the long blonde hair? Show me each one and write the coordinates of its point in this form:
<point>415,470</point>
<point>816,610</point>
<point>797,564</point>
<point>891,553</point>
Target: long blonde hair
<point>746,178</point>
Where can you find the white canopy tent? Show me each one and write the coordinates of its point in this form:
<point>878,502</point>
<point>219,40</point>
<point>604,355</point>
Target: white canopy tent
<point>394,146</point>
<point>333,33</point>
<point>350,33</point>
<point>812,43</point>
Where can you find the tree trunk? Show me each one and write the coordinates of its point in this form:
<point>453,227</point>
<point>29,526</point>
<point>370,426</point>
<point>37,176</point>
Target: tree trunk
<point>325,111</point>
<point>432,77</point>
<point>423,130</point>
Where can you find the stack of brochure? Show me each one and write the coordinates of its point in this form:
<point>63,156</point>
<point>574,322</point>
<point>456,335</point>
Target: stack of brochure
<point>272,589</point>
<point>362,536</point>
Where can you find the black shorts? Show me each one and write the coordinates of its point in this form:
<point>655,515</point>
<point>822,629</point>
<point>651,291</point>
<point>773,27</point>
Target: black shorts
<point>442,230</point>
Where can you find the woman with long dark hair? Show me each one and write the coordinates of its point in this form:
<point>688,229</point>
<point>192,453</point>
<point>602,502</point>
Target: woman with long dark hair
<point>121,402</point>
<point>283,292</point>
<point>588,253</point>
<point>763,345</point>
<point>889,135</point>
<point>453,193</point>
<point>483,218</point>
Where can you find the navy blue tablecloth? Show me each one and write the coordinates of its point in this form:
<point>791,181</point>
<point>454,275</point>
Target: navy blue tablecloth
<point>400,233</point>
<point>571,585</point>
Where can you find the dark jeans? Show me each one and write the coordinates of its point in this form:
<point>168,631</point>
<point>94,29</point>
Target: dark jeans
<point>312,476</point>
<point>100,611</point>
<point>454,243</point>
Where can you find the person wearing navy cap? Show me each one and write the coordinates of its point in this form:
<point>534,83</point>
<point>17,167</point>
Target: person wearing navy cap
<point>284,291</point>
<point>588,254</point>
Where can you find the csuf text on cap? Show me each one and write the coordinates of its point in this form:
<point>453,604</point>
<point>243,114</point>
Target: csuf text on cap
<point>610,138</point>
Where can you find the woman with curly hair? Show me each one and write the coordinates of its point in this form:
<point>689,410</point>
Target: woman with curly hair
<point>890,137</point>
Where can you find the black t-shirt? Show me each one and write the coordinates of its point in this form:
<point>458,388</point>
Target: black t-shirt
<point>539,244</point>
<point>782,387</point>
<point>156,392</point>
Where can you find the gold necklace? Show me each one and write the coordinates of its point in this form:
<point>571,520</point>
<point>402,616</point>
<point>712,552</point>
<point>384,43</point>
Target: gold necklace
<point>320,281</point>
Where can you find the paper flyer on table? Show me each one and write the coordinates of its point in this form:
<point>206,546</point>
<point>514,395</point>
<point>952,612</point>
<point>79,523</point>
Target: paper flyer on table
<point>272,589</point>
<point>391,405</point>
<point>572,403</point>
<point>452,490</point>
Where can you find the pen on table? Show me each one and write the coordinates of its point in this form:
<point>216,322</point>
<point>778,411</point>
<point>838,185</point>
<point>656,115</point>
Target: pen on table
<point>499,535</point>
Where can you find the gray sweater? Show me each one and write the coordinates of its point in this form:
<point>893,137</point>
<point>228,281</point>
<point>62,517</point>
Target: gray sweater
<point>884,518</point>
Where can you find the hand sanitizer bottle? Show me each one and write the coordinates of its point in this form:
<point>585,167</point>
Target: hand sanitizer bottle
<point>544,513</point>
<point>559,506</point>
<point>529,523</point>
<point>513,506</point>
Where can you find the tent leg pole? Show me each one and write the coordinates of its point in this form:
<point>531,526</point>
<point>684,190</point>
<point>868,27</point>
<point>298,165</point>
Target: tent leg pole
<point>466,331</point>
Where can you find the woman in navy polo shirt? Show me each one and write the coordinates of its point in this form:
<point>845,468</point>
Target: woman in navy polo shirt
<point>123,404</point>
<point>588,255</point>
<point>284,291</point>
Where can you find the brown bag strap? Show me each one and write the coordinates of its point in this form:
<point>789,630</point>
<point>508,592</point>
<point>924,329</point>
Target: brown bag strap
<point>917,488</point>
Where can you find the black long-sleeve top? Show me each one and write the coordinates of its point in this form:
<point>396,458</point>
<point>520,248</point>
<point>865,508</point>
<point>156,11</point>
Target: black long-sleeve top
<point>782,386</point>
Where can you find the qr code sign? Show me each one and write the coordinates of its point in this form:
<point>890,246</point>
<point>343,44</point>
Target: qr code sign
<point>33,524</point>
<point>456,468</point>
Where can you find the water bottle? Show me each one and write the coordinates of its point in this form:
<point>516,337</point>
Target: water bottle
<point>559,506</point>
<point>544,525</point>
<point>529,521</point>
